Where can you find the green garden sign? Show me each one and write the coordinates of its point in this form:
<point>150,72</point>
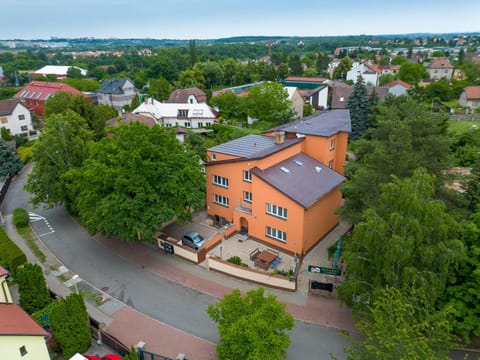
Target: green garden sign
<point>324,270</point>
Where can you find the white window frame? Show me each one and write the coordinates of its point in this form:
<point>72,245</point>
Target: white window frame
<point>276,234</point>
<point>220,181</point>
<point>221,200</point>
<point>247,196</point>
<point>332,144</point>
<point>247,176</point>
<point>277,211</point>
<point>330,164</point>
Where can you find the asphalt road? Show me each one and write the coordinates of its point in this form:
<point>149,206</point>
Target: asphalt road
<point>157,297</point>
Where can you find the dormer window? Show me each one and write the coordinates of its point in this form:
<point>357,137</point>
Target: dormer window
<point>182,113</point>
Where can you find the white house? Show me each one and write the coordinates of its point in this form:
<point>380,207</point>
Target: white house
<point>398,87</point>
<point>369,72</point>
<point>16,118</point>
<point>178,115</point>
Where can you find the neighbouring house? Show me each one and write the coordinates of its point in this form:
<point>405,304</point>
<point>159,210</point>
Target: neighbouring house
<point>21,338</point>
<point>370,73</point>
<point>281,188</point>
<point>440,68</point>
<point>35,93</point>
<point>16,118</point>
<point>116,92</point>
<point>331,67</point>
<point>191,95</point>
<point>296,99</point>
<point>317,97</point>
<point>389,69</point>
<point>470,97</point>
<point>59,71</point>
<point>339,95</point>
<point>398,87</point>
<point>174,115</point>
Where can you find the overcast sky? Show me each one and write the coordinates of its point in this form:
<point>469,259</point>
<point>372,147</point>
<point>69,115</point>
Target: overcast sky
<point>195,19</point>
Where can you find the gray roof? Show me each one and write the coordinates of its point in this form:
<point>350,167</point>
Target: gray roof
<point>253,146</point>
<point>113,86</point>
<point>324,123</point>
<point>306,181</point>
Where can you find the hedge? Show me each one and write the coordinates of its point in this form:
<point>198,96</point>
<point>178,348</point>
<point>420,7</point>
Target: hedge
<point>10,254</point>
<point>20,217</point>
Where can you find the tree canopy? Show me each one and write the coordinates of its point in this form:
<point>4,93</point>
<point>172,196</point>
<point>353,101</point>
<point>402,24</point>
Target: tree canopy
<point>32,288</point>
<point>9,161</point>
<point>407,241</point>
<point>406,137</point>
<point>252,327</point>
<point>134,181</point>
<point>412,73</point>
<point>62,145</point>
<point>358,105</point>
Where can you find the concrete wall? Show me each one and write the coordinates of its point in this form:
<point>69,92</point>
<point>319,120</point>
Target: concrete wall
<point>259,277</point>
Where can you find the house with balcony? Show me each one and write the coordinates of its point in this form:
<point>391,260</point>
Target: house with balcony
<point>184,115</point>
<point>281,188</point>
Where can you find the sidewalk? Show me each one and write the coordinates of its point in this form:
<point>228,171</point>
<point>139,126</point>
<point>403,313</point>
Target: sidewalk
<point>130,327</point>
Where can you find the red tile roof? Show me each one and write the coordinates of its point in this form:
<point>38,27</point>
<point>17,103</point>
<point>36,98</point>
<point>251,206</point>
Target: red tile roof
<point>15,321</point>
<point>398,82</point>
<point>472,92</point>
<point>7,107</point>
<point>372,67</point>
<point>40,90</point>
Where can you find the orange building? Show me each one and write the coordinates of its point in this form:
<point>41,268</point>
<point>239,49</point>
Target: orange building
<point>281,187</point>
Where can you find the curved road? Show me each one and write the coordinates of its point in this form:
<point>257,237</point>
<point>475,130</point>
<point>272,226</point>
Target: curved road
<point>157,297</point>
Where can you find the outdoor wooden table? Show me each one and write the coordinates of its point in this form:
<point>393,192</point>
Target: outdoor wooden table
<point>264,259</point>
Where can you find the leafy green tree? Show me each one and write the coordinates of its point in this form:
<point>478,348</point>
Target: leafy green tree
<point>406,137</point>
<point>192,77</point>
<point>463,293</point>
<point>252,327</point>
<point>412,73</point>
<point>134,181</point>
<point>232,108</point>
<point>399,60</point>
<point>385,79</point>
<point>74,73</point>
<point>213,73</point>
<point>62,145</point>
<point>70,325</point>
<point>268,103</point>
<point>160,88</point>
<point>82,84</point>
<point>9,161</point>
<point>398,326</point>
<point>407,241</point>
<point>193,52</point>
<point>295,65</point>
<point>340,72</point>
<point>358,106</point>
<point>135,102</point>
<point>471,69</point>
<point>132,355</point>
<point>32,288</point>
<point>440,90</point>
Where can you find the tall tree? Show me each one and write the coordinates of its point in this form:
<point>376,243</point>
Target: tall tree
<point>412,73</point>
<point>406,137</point>
<point>62,145</point>
<point>32,288</point>
<point>193,52</point>
<point>400,326</point>
<point>252,327</point>
<point>134,181</point>
<point>358,106</point>
<point>9,161</point>
<point>340,72</point>
<point>407,241</point>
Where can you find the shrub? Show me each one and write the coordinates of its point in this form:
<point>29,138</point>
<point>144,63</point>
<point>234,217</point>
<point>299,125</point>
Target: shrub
<point>25,153</point>
<point>32,288</point>
<point>20,217</point>
<point>10,254</point>
<point>235,260</point>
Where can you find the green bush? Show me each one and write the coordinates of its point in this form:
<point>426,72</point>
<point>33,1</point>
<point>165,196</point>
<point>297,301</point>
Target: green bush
<point>32,288</point>
<point>20,217</point>
<point>10,254</point>
<point>235,260</point>
<point>25,153</point>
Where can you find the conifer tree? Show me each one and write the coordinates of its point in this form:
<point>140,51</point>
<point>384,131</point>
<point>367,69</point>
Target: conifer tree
<point>358,106</point>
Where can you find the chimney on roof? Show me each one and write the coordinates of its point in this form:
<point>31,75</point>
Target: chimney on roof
<point>279,137</point>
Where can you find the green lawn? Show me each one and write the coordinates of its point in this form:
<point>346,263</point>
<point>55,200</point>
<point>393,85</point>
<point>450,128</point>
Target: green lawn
<point>461,126</point>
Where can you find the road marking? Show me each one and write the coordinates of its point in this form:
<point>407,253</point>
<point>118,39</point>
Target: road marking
<point>35,217</point>
<point>48,233</point>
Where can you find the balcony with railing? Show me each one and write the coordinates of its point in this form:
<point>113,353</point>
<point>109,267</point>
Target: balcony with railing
<point>244,206</point>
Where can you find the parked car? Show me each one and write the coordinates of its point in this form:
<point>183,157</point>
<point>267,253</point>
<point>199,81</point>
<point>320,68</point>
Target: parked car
<point>193,240</point>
